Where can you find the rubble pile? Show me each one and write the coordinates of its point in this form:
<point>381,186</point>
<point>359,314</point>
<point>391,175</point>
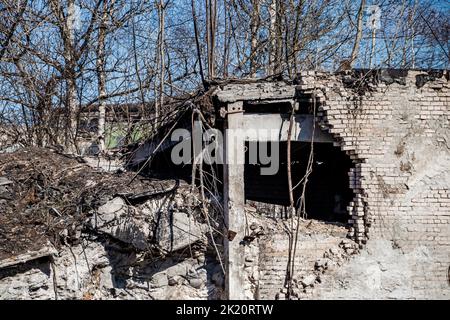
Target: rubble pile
<point>332,259</point>
<point>70,231</point>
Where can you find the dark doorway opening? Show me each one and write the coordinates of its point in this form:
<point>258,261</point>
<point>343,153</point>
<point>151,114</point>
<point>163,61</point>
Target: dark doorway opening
<point>327,191</point>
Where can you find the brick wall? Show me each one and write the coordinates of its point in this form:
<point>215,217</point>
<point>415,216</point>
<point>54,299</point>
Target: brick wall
<point>396,128</point>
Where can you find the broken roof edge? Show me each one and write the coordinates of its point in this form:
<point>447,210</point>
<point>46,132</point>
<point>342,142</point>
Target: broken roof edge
<point>45,251</point>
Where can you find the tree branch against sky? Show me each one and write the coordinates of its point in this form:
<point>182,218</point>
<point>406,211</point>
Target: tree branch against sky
<point>56,57</point>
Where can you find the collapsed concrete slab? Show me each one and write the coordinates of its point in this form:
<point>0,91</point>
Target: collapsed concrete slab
<point>388,131</point>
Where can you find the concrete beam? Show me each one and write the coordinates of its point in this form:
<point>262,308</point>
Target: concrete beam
<point>256,91</point>
<point>234,200</point>
<point>279,123</point>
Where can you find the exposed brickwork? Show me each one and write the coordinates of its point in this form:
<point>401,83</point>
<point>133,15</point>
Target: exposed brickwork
<point>274,254</point>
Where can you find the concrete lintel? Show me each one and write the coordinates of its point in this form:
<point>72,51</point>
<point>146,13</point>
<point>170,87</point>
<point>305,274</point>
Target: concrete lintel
<point>276,127</point>
<point>263,102</point>
<point>256,91</point>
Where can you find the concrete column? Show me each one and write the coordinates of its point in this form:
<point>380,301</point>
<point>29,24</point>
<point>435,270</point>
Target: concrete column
<point>234,199</point>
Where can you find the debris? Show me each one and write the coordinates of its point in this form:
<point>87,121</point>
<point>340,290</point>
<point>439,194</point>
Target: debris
<point>52,206</point>
<point>176,231</point>
<point>231,235</point>
<point>160,280</point>
<point>309,280</point>
<point>321,264</point>
<point>178,269</point>
<point>118,220</point>
<point>201,259</point>
<point>334,251</point>
<point>218,279</point>
<point>11,148</point>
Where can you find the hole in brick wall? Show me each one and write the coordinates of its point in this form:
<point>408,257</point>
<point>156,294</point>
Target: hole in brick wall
<point>327,193</point>
<point>448,275</point>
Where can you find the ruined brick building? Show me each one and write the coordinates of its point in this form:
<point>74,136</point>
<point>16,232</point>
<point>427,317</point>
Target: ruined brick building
<point>377,198</point>
<point>394,126</point>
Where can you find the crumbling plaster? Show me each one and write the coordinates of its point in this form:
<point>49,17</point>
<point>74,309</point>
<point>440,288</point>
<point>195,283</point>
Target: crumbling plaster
<point>395,127</point>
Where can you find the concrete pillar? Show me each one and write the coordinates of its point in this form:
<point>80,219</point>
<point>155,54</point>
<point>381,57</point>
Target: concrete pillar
<point>234,199</point>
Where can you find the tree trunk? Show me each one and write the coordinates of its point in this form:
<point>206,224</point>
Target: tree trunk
<point>372,53</point>
<point>197,42</point>
<point>279,36</point>
<point>358,37</point>
<point>295,38</point>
